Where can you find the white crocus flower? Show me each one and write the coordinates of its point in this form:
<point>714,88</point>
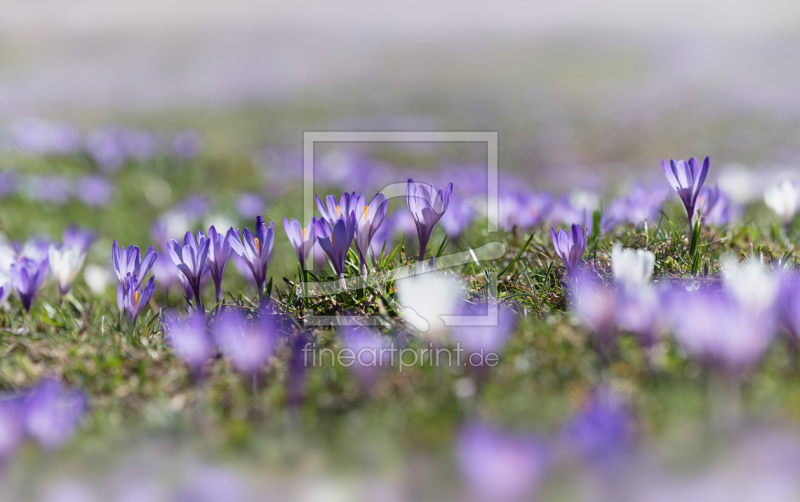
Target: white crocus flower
<point>65,263</point>
<point>426,297</point>
<point>783,199</point>
<point>632,267</point>
<point>97,278</point>
<point>750,282</point>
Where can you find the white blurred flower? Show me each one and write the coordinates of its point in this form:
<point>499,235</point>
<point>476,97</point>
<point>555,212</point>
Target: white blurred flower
<point>584,200</point>
<point>750,282</point>
<point>426,297</point>
<point>738,183</point>
<point>219,221</point>
<point>632,267</point>
<point>65,263</point>
<point>783,199</point>
<point>97,278</point>
<point>7,258</point>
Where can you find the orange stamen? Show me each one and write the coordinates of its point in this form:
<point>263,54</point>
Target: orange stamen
<point>258,244</point>
<point>304,234</point>
<point>337,211</point>
<point>366,210</point>
<point>136,297</point>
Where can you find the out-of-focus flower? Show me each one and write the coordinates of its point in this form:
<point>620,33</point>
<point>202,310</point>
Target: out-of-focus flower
<point>632,267</point>
<point>335,242</point>
<point>500,466</point>
<point>570,246</point>
<point>36,249</point>
<point>8,182</point>
<point>27,275</point>
<point>368,220</point>
<point>127,260</point>
<point>94,190</point>
<point>247,344</point>
<point>12,428</point>
<point>50,188</point>
<point>739,183</point>
<point>370,353</point>
<point>458,217</point>
<point>336,210</point>
<point>638,310</point>
<point>715,207</point>
<point>424,298</point>
<point>486,333</point>
<point>219,252</point>
<point>190,258</point>
<point>753,286</point>
<point>686,178</point>
<point>639,205</point>
<point>716,329</point>
<point>189,340</point>
<point>79,238</point>
<point>427,205</point>
<point>302,239</point>
<point>53,413</point>
<point>66,263</point>
<point>40,137</point>
<point>195,206</point>
<point>133,296</point>
<point>212,484</point>
<point>97,278</point>
<point>187,144</point>
<point>255,250</point>
<point>249,205</point>
<point>594,305</point>
<point>783,199</point>
<point>602,430</point>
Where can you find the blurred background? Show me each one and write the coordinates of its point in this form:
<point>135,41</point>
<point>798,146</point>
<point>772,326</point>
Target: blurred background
<point>614,85</point>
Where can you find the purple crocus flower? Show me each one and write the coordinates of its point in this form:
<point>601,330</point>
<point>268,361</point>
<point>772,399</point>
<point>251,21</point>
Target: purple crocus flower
<point>686,178</point>
<point>190,258</point>
<point>52,413</point>
<point>302,239</point>
<point>219,252</point>
<point>249,205</point>
<point>721,332</point>
<point>26,276</point>
<point>427,205</point>
<point>602,430</point>
<point>368,220</point>
<point>335,243</point>
<point>50,188</point>
<point>458,218</point>
<point>335,210</point>
<point>94,190</point>
<point>570,246</point>
<point>640,204</point>
<point>78,238</point>
<point>594,305</point>
<point>713,206</point>
<point>248,345</point>
<point>187,144</point>
<point>189,340</point>
<point>638,311</point>
<point>255,249</point>
<point>126,260</point>
<point>500,466</point>
<point>479,339</point>
<point>370,353</point>
<point>133,296</point>
<point>12,430</point>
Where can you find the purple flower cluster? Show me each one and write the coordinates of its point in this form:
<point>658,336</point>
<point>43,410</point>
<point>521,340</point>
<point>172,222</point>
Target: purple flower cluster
<point>48,414</point>
<point>133,293</point>
<point>247,344</point>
